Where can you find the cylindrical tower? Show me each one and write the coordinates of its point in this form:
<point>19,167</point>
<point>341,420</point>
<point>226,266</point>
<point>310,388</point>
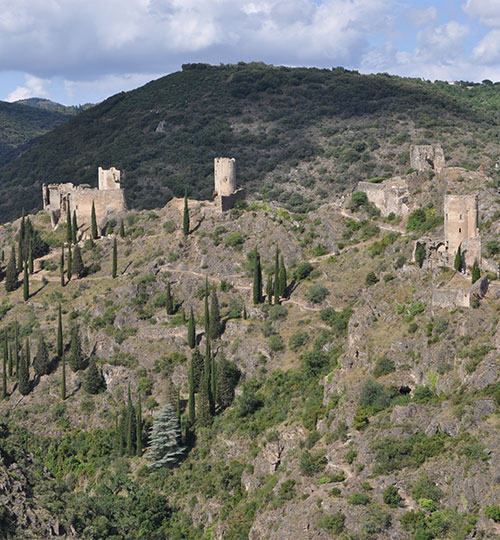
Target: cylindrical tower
<point>460,220</point>
<point>225,176</point>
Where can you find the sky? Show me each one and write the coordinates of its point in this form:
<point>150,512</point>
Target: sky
<point>82,51</point>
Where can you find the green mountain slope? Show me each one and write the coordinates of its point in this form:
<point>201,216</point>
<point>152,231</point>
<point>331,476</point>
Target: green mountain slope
<point>297,134</point>
<point>20,124</point>
<point>49,105</point>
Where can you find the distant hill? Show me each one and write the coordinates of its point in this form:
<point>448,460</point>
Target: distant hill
<point>20,124</point>
<point>48,105</point>
<point>299,135</point>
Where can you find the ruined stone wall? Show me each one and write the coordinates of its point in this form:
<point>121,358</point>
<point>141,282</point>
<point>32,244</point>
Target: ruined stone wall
<point>427,157</point>
<point>108,178</point>
<point>226,203</point>
<point>460,223</point>
<point>451,298</point>
<point>224,176</point>
<point>388,196</point>
<point>108,203</point>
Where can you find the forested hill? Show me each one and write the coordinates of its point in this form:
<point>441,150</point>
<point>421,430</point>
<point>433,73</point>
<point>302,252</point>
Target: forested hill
<point>297,134</point>
<point>20,124</point>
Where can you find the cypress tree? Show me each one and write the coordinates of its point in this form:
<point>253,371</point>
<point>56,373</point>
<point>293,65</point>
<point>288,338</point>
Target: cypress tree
<point>122,431</point>
<point>245,314</point>
<point>93,382</point>
<point>178,404</point>
<point>69,270</point>
<point>131,426</point>
<point>115,259</point>
<point>205,407</point>
<point>269,289</point>
<point>191,401</point>
<point>41,362</point>
<point>74,228</point>
<point>11,361</point>
<point>198,365</point>
<point>213,384</point>
<point>69,228</point>
<point>30,257</point>
<point>20,257</point>
<point>122,229</point>
<point>185,219</point>
<point>282,278</point>
<point>11,273</point>
<point>227,378</point>
<point>60,346</point>
<point>170,301</point>
<point>26,284</point>
<point>138,436</point>
<point>24,376</point>
<point>276,290</point>
<point>4,366</point>
<point>93,222</point>
<point>475,272</point>
<point>215,326</point>
<point>16,349</point>
<point>76,359</point>
<point>165,446</point>
<point>257,280</point>
<point>457,264</point>
<point>191,330</point>
<point>62,265</point>
<point>206,314</point>
<point>63,378</point>
<point>78,266</point>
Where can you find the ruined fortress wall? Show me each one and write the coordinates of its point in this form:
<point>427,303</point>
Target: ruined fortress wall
<point>427,157</point>
<point>471,251</point>
<point>451,298</point>
<point>460,220</point>
<point>108,178</point>
<point>387,197</point>
<point>225,176</point>
<point>107,203</point>
<point>226,203</point>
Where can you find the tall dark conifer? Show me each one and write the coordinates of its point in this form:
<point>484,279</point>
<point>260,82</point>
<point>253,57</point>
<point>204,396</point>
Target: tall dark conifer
<point>122,229</point>
<point>16,349</point>
<point>41,363</point>
<point>215,325</point>
<point>131,426</point>
<point>78,266</point>
<point>185,218</point>
<point>115,259</point>
<point>69,228</point>
<point>257,280</point>
<point>276,290</point>
<point>206,315</point>
<point>11,360</point>
<point>191,330</point>
<point>138,436</point>
<point>26,283</point>
<point>11,272</point>
<point>59,344</point>
<point>74,228</point>
<point>20,255</point>
<point>269,289</point>
<point>76,358</point>
<point>63,378</point>
<point>4,364</point>
<point>282,278</point>
<point>24,376</point>
<point>170,301</point>
<point>30,257</point>
<point>93,222</point>
<point>61,264</point>
<point>191,399</point>
<point>69,271</point>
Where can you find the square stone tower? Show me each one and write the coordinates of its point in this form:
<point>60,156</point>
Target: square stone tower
<point>109,178</point>
<point>461,227</point>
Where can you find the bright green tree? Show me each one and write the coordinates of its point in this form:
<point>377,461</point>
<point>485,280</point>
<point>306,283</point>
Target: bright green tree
<point>165,444</point>
<point>191,330</point>
<point>475,272</point>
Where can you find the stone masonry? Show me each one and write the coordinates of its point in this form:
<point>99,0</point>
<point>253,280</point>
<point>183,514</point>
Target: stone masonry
<point>427,157</point>
<point>225,191</point>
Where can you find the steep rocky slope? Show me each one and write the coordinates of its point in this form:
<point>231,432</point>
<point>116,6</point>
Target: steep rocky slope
<point>361,412</point>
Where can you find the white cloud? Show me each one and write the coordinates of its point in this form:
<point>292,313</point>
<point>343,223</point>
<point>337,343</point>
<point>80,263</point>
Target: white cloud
<point>35,87</point>
<point>486,11</point>
<point>487,51</point>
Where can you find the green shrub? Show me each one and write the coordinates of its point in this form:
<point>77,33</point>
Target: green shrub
<point>317,293</point>
<point>277,312</point>
<point>358,498</point>
<point>276,343</point>
<point>423,394</point>
<point>392,497</point>
<point>234,240</point>
<point>298,340</point>
<point>312,463</point>
<point>332,523</point>
<point>384,366</point>
<point>286,491</point>
<point>493,512</point>
<point>371,279</point>
<point>337,320</point>
<point>358,200</point>
<point>493,248</point>
<point>425,488</point>
<point>350,456</point>
<point>302,271</point>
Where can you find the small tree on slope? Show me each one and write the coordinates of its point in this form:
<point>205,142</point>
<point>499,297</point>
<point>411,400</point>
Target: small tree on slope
<point>165,447</point>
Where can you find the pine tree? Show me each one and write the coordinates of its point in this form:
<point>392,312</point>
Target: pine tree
<point>63,378</point>
<point>74,228</point>
<point>227,378</point>
<point>11,273</point>
<point>457,264</point>
<point>4,365</point>
<point>191,400</point>
<point>122,229</point>
<point>282,278</point>
<point>26,284</point>
<point>30,257</point>
<point>269,289</point>
<point>191,330</point>
<point>185,219</point>
<point>131,426</point>
<point>59,344</point>
<point>257,280</point>
<point>165,448</point>
<point>41,362</point>
<point>215,325</point>
<point>69,270</point>
<point>198,364</point>
<point>276,290</point>
<point>138,437</point>
<point>76,359</point>
<point>93,222</point>
<point>24,376</point>
<point>115,259</point>
<point>93,382</point>
<point>69,228</point>
<point>78,266</point>
<point>61,263</point>
<point>475,272</point>
<point>170,301</point>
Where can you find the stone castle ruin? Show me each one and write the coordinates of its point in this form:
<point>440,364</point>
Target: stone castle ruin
<point>427,157</point>
<point>225,191</point>
<point>108,199</point>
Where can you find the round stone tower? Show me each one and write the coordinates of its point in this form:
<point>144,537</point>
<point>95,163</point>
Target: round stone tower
<point>225,176</point>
